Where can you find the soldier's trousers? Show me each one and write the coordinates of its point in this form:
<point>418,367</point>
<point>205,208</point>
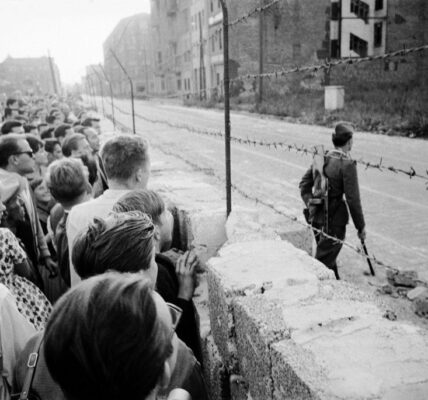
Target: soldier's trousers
<point>327,249</point>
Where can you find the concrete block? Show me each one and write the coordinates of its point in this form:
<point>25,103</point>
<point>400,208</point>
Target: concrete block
<point>265,319</point>
<point>300,237</point>
<point>258,323</point>
<point>203,230</point>
<point>215,372</point>
<point>221,320</point>
<point>402,278</point>
<point>198,209</point>
<point>355,353</point>
<point>421,306</point>
<point>274,268</point>
<point>418,292</point>
<point>243,225</point>
<point>295,373</point>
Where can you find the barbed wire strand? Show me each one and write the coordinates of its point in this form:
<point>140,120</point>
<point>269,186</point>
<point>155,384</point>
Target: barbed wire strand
<point>327,65</point>
<point>284,146</point>
<point>254,11</point>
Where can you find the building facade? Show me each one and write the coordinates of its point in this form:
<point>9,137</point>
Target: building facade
<point>172,46</point>
<point>130,45</point>
<point>186,41</point>
<point>30,75</point>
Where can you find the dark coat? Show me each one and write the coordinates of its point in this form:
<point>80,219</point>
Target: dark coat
<point>167,286</point>
<point>341,172</point>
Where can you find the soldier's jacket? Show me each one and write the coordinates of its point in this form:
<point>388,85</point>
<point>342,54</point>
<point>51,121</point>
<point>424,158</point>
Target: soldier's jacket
<point>341,172</point>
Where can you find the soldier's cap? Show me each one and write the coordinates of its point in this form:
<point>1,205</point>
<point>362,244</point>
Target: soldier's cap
<point>342,133</point>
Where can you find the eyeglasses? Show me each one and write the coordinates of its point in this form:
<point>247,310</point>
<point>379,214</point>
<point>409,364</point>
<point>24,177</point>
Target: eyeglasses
<point>29,153</point>
<point>176,313</point>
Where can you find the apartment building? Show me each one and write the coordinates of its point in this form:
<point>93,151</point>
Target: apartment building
<point>30,75</point>
<point>130,41</point>
<point>358,28</point>
<point>172,45</point>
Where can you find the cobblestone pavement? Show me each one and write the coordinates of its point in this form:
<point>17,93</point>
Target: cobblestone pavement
<point>395,207</point>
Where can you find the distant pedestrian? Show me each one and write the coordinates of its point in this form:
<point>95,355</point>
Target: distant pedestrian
<point>341,172</point>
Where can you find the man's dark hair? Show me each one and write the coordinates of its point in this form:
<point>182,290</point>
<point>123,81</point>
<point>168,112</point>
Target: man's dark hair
<point>50,119</point>
<point>50,145</point>
<point>28,128</point>
<point>10,101</point>
<point>61,131</point>
<point>22,119</point>
<point>125,246</point>
<point>35,143</point>
<point>71,143</point>
<point>88,121</point>
<point>8,147</point>
<point>9,125</point>
<point>8,112</point>
<point>104,339</point>
<point>47,134</point>
<point>66,180</point>
<point>123,155</point>
<point>144,200</point>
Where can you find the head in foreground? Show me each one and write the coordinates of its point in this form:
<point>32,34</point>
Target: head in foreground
<point>110,338</point>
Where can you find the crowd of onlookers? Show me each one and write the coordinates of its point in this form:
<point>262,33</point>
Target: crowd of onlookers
<point>91,306</point>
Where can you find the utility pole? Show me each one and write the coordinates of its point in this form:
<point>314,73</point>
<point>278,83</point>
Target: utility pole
<point>226,80</point>
<point>131,86</point>
<point>51,67</point>
<point>261,64</point>
<point>111,95</point>
<point>201,58</point>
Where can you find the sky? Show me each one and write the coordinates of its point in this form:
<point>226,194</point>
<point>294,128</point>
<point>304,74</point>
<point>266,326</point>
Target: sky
<point>72,30</point>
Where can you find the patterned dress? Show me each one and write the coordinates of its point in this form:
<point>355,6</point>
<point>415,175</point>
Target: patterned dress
<point>31,302</point>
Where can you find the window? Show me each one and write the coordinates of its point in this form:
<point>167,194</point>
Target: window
<point>213,43</point>
<point>358,45</point>
<point>378,34</point>
<point>361,9</point>
<point>378,5</point>
<point>335,49</point>
<point>335,11</point>
<point>220,39</point>
<point>159,57</point>
<point>212,6</point>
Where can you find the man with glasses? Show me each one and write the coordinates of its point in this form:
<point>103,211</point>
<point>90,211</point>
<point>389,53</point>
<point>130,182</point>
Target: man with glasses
<point>17,158</point>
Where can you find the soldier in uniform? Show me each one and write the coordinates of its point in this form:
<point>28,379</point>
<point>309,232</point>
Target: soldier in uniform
<point>341,172</point>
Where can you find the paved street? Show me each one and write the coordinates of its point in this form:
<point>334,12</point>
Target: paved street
<point>395,207</point>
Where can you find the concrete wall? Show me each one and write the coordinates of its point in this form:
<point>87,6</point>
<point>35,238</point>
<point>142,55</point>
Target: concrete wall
<point>275,324</point>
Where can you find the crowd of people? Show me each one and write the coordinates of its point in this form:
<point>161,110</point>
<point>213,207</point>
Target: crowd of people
<point>91,307</point>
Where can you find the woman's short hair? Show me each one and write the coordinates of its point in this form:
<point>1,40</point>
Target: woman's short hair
<point>123,155</point>
<point>71,143</point>
<point>35,143</point>
<point>50,145</point>
<point>146,201</point>
<point>35,183</point>
<point>124,245</point>
<point>67,180</point>
<point>104,340</point>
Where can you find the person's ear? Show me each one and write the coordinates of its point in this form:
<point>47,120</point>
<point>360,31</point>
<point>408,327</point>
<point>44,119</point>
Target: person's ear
<point>139,175</point>
<point>156,233</point>
<point>166,376</point>
<point>12,159</point>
